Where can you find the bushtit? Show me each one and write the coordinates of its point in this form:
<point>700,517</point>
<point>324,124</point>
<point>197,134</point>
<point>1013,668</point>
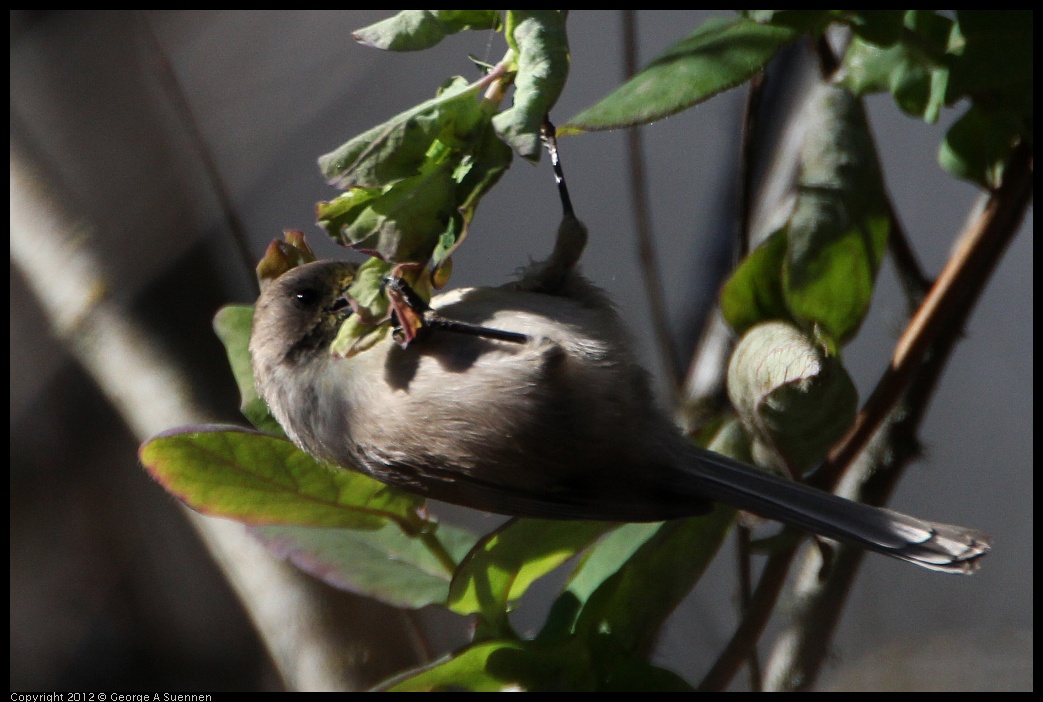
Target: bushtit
<point>554,419</point>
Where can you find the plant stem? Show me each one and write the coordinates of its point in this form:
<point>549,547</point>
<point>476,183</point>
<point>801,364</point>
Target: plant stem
<point>437,548</point>
<point>759,611</point>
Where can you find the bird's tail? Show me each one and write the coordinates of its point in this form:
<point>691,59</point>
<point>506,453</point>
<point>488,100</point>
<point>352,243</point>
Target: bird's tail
<point>941,547</point>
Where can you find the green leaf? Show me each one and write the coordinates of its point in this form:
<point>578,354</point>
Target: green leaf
<point>233,324</point>
<point>837,234</point>
<point>385,563</point>
<point>791,396</point>
<point>538,38</point>
<point>341,212</point>
<point>365,328</point>
<point>880,27</point>
<point>261,479</point>
<point>504,563</point>
<point>978,145</point>
<point>402,224</point>
<point>721,54</point>
<point>607,561</point>
<point>753,293</point>
<point>496,666</point>
<point>605,558</point>
<point>398,148</point>
<point>799,20</point>
<point>627,610</point>
<point>631,675</point>
<point>478,172</point>
<point>413,30</point>
<point>992,61</point>
<point>914,69</point>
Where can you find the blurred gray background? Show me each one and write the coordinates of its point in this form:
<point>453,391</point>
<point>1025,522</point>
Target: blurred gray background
<point>110,590</point>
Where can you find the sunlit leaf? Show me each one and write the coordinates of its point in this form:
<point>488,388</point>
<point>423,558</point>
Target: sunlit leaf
<point>490,666</point>
<point>538,37</point>
<point>413,30</point>
<point>477,174</point>
<point>404,222</point>
<point>837,234</point>
<point>398,148</point>
<point>505,562</point>
<point>721,54</point>
<point>261,479</point>
<point>753,293</point>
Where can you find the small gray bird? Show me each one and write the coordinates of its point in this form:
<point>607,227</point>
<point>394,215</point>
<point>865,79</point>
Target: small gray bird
<point>527,400</point>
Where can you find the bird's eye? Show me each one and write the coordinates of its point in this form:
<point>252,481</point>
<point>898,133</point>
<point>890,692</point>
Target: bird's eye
<point>306,297</point>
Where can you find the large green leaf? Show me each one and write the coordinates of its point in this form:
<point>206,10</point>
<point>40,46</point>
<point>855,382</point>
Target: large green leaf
<point>978,145</point>
<point>721,54</point>
<point>753,293</point>
<point>261,479</point>
<point>413,30</point>
<point>837,234</point>
<point>508,665</point>
<point>386,563</point>
<point>598,583</point>
<point>398,148</point>
<point>992,65</point>
<point>626,610</point>
<point>992,61</point>
<point>495,666</point>
<point>820,268</point>
<point>505,562</point>
<point>477,173</point>
<point>915,69</point>
<point>401,224</point>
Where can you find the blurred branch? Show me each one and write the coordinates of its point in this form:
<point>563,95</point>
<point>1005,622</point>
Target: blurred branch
<point>52,247</point>
<point>756,615</point>
<point>643,226</point>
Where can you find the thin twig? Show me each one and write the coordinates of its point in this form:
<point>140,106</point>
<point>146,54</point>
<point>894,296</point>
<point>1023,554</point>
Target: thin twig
<point>744,556</point>
<point>747,152</point>
<point>914,281</point>
<point>643,225</point>
<point>760,609</point>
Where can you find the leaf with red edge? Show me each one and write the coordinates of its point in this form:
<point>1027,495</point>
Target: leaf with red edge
<point>261,479</point>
